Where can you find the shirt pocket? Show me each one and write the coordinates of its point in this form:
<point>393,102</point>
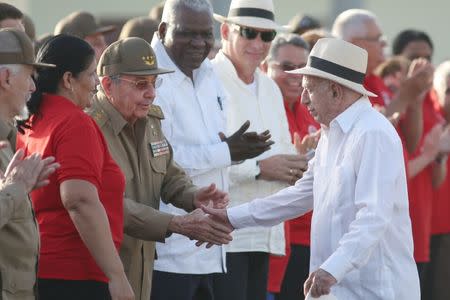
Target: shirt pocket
<point>22,211</point>
<point>14,282</point>
<point>159,164</point>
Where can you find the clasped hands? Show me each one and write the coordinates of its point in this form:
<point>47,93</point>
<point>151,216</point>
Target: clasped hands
<point>199,225</point>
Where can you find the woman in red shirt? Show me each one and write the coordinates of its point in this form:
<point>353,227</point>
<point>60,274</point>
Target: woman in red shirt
<point>80,213</point>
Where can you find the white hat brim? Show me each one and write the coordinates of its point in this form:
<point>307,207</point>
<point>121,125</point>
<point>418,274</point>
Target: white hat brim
<point>347,83</point>
<point>251,22</point>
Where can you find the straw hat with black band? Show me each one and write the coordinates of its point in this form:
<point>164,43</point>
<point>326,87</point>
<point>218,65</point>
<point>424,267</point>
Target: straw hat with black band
<point>251,13</point>
<point>338,61</point>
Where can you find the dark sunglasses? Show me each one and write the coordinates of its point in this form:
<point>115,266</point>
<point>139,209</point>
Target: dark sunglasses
<point>287,66</point>
<point>251,34</point>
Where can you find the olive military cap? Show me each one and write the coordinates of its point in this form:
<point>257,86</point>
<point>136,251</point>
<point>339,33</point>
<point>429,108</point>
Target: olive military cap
<point>131,56</point>
<point>81,24</point>
<point>17,48</point>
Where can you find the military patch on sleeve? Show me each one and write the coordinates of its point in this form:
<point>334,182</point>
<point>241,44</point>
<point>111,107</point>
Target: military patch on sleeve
<point>99,116</point>
<point>156,111</point>
<point>159,148</point>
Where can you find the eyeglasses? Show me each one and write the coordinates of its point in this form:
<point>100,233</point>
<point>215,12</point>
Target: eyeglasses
<point>287,66</point>
<point>144,84</point>
<point>251,33</point>
<point>377,39</point>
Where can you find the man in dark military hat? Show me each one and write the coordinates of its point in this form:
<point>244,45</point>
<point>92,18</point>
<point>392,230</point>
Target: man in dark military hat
<point>19,238</point>
<point>123,109</point>
<point>84,25</point>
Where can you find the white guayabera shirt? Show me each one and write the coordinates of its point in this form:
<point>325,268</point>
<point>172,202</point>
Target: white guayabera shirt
<point>361,230</point>
<point>194,116</point>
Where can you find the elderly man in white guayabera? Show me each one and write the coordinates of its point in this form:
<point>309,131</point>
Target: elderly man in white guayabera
<point>361,242</point>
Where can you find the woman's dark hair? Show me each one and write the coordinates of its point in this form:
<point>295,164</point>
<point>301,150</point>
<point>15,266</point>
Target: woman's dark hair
<point>407,36</point>
<point>69,54</point>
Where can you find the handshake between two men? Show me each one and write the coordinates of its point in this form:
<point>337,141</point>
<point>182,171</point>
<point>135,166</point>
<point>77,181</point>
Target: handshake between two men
<point>203,224</point>
<point>199,225</point>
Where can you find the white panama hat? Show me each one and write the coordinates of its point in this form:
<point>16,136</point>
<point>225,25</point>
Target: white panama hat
<point>339,61</point>
<point>251,13</point>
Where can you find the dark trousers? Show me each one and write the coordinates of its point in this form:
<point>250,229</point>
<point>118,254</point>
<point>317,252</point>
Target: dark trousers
<point>246,277</point>
<point>56,289</point>
<point>422,269</point>
<point>297,271</point>
<point>176,286</point>
<point>437,280</point>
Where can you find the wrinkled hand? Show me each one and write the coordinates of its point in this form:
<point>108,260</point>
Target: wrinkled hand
<point>197,225</point>
<point>319,283</point>
<point>204,195</point>
<point>308,142</point>
<point>244,145</point>
<point>444,141</point>
<point>120,288</point>
<point>283,167</point>
<point>24,171</point>
<point>218,215</point>
<point>431,142</point>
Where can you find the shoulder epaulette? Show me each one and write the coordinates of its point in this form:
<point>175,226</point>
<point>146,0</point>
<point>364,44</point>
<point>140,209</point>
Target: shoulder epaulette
<point>98,115</point>
<point>155,111</point>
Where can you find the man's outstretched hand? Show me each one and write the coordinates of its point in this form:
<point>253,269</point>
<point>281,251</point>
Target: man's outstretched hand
<point>212,194</point>
<point>218,215</point>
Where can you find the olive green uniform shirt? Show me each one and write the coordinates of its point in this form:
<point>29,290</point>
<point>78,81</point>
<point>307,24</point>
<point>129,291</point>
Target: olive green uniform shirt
<point>19,236</point>
<point>148,178</point>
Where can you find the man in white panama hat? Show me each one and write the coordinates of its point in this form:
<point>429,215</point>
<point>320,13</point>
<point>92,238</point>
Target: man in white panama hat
<point>361,241</point>
<point>247,33</point>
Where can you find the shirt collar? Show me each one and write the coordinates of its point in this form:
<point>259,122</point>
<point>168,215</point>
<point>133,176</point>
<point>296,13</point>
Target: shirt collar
<point>165,61</point>
<point>117,121</point>
<point>5,130</point>
<point>348,117</point>
<point>230,69</point>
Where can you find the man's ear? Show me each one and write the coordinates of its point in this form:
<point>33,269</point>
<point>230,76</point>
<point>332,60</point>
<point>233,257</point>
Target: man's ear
<point>5,73</point>
<point>225,30</point>
<point>107,83</point>
<point>337,90</point>
<point>162,30</point>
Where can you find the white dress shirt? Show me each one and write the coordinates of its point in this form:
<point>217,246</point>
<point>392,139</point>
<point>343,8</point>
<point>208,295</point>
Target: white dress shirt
<point>361,230</point>
<point>194,117</point>
<point>265,110</point>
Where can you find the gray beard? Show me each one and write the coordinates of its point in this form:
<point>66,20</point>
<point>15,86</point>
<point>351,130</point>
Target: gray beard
<point>23,114</point>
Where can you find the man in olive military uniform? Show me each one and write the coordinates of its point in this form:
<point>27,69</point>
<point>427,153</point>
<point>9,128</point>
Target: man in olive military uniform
<point>19,237</point>
<point>123,109</point>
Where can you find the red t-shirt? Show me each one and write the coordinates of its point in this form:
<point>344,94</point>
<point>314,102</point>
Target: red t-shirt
<point>298,230</point>
<point>440,220</point>
<point>420,189</point>
<point>64,131</point>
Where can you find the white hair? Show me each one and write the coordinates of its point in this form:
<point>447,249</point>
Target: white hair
<point>171,7</point>
<point>441,76</point>
<point>352,24</point>
<point>13,68</point>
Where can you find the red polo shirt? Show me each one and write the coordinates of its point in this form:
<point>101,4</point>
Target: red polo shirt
<point>440,220</point>
<point>64,131</point>
<point>420,188</point>
<point>298,230</point>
